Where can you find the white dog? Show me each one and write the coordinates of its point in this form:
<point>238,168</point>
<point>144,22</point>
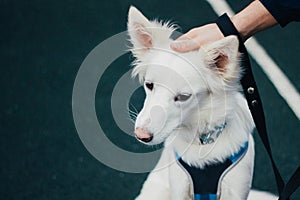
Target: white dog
<point>194,106</point>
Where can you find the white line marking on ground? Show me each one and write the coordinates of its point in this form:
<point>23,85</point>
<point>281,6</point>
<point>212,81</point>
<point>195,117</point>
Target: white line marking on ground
<point>283,85</point>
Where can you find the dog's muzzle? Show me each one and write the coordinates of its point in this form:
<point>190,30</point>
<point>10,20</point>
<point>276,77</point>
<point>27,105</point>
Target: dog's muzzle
<point>143,135</point>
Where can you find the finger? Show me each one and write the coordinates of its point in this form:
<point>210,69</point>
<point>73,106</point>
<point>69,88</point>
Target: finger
<point>187,36</point>
<point>184,46</point>
<point>184,37</point>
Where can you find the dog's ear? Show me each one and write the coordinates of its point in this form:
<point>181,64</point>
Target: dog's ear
<point>140,30</point>
<point>223,56</point>
<point>145,34</point>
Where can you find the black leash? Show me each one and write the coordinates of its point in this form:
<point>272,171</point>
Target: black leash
<point>255,105</point>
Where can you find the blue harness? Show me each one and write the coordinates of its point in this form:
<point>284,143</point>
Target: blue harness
<point>206,180</point>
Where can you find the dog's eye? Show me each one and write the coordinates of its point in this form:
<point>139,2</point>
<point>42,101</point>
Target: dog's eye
<point>182,97</point>
<point>149,85</point>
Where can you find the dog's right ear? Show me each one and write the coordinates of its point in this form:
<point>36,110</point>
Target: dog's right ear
<point>140,31</point>
<point>223,57</point>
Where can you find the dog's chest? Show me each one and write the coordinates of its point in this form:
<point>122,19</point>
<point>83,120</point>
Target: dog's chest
<point>180,183</point>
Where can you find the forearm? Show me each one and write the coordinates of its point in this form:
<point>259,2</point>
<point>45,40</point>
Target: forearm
<point>254,18</point>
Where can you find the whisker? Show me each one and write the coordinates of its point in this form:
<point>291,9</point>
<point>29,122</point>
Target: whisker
<point>132,113</point>
<point>134,108</point>
<point>131,120</point>
<point>132,117</point>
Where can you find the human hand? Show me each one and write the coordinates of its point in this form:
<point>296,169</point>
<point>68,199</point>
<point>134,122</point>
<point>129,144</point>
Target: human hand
<point>251,20</point>
<point>197,37</point>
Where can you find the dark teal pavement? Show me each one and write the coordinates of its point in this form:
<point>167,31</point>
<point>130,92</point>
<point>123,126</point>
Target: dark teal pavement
<point>42,46</point>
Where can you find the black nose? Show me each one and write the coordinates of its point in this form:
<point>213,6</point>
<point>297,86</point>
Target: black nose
<point>146,140</point>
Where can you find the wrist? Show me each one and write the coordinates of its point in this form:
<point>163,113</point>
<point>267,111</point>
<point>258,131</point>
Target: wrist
<point>252,19</point>
<point>241,27</point>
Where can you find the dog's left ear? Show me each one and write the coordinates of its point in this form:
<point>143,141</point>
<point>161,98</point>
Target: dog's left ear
<point>145,34</point>
<point>223,56</point>
<point>140,30</point>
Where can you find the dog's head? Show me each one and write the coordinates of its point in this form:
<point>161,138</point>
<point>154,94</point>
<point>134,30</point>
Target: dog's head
<point>182,90</point>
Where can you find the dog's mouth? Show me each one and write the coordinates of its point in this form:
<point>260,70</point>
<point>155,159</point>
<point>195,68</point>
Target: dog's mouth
<point>143,135</point>
<point>145,140</point>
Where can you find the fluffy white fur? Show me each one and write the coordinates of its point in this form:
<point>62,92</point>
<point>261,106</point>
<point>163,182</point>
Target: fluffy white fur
<point>211,76</point>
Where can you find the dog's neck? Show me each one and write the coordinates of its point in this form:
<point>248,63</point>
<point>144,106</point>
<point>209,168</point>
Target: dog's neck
<point>186,141</point>
<point>210,135</point>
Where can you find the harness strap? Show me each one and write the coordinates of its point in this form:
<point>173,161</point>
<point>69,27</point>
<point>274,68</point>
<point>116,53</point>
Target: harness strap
<point>291,185</point>
<point>255,105</point>
<point>205,197</point>
<point>206,181</point>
